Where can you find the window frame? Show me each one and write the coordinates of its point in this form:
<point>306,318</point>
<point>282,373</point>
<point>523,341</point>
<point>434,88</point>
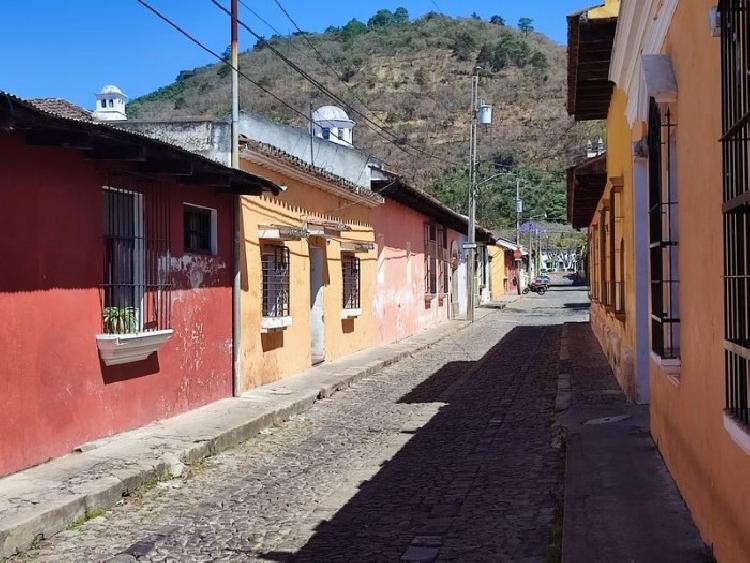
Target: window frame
<point>735,83</point>
<point>210,249</point>
<point>435,269</point>
<point>136,260</point>
<point>663,234</point>
<point>351,282</point>
<point>275,280</point>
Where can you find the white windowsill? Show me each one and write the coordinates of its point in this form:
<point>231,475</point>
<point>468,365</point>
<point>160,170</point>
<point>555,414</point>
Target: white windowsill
<point>350,313</point>
<point>670,367</point>
<point>272,324</point>
<point>116,349</point>
<point>737,433</point>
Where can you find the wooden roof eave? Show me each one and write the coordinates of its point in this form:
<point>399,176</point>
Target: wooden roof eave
<point>590,43</point>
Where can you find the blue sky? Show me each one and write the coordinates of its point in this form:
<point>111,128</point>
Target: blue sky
<point>70,48</point>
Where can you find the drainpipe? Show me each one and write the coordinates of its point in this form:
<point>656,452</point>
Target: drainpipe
<point>236,219</point>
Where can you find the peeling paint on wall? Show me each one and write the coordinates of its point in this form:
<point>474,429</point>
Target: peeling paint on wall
<point>197,270</point>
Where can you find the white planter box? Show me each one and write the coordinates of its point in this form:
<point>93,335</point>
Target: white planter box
<point>116,349</point>
<point>270,324</point>
<point>350,313</point>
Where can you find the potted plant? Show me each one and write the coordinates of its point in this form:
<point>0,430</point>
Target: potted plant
<point>119,320</point>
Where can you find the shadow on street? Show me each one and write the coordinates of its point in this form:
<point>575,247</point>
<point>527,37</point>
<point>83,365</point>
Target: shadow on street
<point>480,481</point>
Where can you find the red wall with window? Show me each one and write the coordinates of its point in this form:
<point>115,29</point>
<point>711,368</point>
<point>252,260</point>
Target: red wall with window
<point>55,393</point>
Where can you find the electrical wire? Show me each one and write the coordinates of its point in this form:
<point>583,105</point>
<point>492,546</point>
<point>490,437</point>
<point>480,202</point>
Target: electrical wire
<point>380,131</point>
<point>221,59</point>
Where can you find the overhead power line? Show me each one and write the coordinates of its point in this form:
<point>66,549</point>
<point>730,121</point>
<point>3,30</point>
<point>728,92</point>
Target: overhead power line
<point>377,129</point>
<point>326,62</point>
<point>210,51</point>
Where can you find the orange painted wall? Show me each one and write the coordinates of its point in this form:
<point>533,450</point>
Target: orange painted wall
<point>687,416</point>
<point>272,356</point>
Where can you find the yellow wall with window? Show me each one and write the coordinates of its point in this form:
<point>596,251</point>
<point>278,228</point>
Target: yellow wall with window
<point>274,355</point>
<point>614,325</point>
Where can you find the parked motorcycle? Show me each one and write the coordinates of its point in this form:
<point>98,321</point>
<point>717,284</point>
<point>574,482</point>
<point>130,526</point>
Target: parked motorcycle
<point>537,287</point>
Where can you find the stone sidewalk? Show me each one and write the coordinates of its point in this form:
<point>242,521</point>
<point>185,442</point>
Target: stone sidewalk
<point>621,504</point>
<point>38,502</point>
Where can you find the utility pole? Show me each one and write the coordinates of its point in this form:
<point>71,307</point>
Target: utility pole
<point>235,91</point>
<point>472,246</point>
<point>237,215</point>
<point>519,210</point>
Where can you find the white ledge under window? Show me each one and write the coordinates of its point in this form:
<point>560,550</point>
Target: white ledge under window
<point>737,432</point>
<point>350,313</point>
<point>116,349</point>
<point>272,324</point>
<point>671,367</point>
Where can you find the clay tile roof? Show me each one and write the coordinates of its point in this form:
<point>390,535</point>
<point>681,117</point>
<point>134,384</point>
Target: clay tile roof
<point>61,107</point>
<point>278,154</point>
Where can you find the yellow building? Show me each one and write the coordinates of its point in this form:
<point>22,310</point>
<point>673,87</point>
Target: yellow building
<point>598,201</point>
<point>309,262</point>
<point>677,128</point>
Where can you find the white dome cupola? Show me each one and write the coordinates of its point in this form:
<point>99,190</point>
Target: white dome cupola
<point>110,104</point>
<point>333,124</point>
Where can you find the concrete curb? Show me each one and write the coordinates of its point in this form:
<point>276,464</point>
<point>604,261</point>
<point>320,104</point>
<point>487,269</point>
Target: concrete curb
<point>43,500</point>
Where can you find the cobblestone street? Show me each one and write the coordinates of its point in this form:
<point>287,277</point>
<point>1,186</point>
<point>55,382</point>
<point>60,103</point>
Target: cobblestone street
<point>451,454</point>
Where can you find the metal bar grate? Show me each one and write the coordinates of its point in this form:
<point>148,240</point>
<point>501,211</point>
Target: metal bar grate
<point>663,246</point>
<point>350,272</point>
<point>275,272</point>
<point>735,88</point>
<point>136,288</point>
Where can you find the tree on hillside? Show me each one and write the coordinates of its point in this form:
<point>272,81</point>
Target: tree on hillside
<point>525,25</point>
<point>401,15</point>
<point>476,16</point>
<point>352,29</point>
<point>497,20</point>
<point>332,30</point>
<point>382,18</point>
<point>484,58</point>
<point>464,45</point>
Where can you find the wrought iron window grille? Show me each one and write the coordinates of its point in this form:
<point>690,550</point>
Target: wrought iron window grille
<point>137,281</point>
<point>735,88</point>
<point>275,274</point>
<point>663,247</point>
<point>350,272</point>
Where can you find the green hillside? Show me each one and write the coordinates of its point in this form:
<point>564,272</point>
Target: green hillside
<point>413,80</point>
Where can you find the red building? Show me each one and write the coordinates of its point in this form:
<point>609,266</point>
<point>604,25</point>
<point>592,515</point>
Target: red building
<point>116,280</point>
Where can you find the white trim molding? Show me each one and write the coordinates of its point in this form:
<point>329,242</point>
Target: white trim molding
<point>641,30</point>
<point>116,349</point>
<point>350,313</point>
<point>272,324</point>
<point>737,433</point>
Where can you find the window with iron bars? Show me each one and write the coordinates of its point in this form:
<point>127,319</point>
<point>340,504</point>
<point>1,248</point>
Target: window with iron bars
<point>604,235</point>
<point>663,247</point>
<point>350,274</point>
<point>436,272</point>
<point>136,288</point>
<point>616,253</point>
<point>275,272</point>
<point>735,77</point>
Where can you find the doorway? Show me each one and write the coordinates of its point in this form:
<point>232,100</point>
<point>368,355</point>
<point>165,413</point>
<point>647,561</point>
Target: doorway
<point>317,324</point>
<point>455,305</point>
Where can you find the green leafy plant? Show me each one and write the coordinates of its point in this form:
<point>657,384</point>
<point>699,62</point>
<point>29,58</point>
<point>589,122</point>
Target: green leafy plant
<point>119,320</point>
